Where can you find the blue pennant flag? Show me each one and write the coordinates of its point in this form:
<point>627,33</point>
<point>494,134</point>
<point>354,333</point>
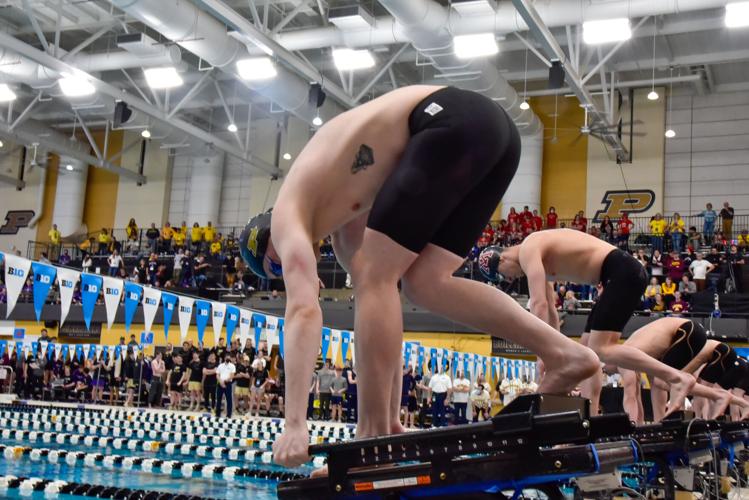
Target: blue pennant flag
<point>445,354</point>
<point>44,276</point>
<point>170,303</point>
<point>64,352</point>
<point>50,350</point>
<point>232,318</point>
<point>79,352</point>
<point>92,351</point>
<point>34,348</point>
<point>516,368</point>
<point>466,356</point>
<point>259,321</point>
<point>486,365</point>
<point>433,359</point>
<point>90,288</point>
<point>104,352</point>
<point>3,346</point>
<point>502,372</point>
<point>325,342</point>
<point>345,341</point>
<point>406,353</point>
<point>420,362</point>
<point>117,351</point>
<point>202,315</point>
<point>133,295</point>
<point>279,327</point>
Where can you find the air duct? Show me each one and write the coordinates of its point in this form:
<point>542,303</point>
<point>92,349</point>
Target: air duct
<point>203,35</point>
<point>70,196</point>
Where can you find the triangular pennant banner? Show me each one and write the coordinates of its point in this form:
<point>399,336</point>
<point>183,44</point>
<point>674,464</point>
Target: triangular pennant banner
<point>232,319</point>
<point>16,272</point>
<point>151,300</point>
<point>112,294</point>
<point>245,321</point>
<point>186,305</point>
<point>169,302</point>
<point>345,341</point>
<point>202,315</point>
<point>325,343</point>
<point>90,288</point>
<point>133,294</point>
<point>66,281</point>
<point>259,321</point>
<point>271,332</point>
<point>218,315</point>
<point>279,329</point>
<point>335,345</point>
<point>44,276</point>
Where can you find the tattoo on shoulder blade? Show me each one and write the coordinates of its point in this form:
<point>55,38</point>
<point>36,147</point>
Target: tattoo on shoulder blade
<point>363,159</point>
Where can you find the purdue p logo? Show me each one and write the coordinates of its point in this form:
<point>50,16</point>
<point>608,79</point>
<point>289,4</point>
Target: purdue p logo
<point>15,220</point>
<point>632,201</point>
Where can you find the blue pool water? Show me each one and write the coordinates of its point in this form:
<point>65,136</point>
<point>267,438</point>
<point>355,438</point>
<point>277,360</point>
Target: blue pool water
<point>238,488</point>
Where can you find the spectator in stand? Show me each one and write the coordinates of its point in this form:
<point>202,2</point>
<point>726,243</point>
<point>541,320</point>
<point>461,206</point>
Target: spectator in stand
<point>719,241</point>
<point>140,272</point>
<point>527,214</point>
<point>694,240</point>
<point>177,266</point>
<point>687,288</point>
<point>653,289</point>
<point>513,216</point>
<point>678,305</point>
<point>641,257</point>
<point>488,233</point>
<point>526,227</point>
<point>209,233</point>
<point>187,276</point>
<point>551,218</point>
<point>167,233</point>
<point>657,231</point>
<point>708,226</point>
<point>582,220</point>
<point>743,239</point>
<point>699,268</point>
<point>55,238</point>
<point>196,237</point>
<point>178,239</point>
<point>115,263</point>
<point>103,240</point>
<point>132,234</point>
<point>677,229</point>
<point>201,270</point>
<point>607,229</point>
<point>668,289</point>
<point>624,226</point>
<point>675,266</point>
<point>577,224</point>
<point>734,268</point>
<point>87,263</point>
<point>570,301</point>
<point>659,305</point>
<point>152,268</point>
<point>538,221</point>
<point>64,259</point>
<point>152,235</point>
<point>461,389</point>
<point>216,246</point>
<point>726,216</point>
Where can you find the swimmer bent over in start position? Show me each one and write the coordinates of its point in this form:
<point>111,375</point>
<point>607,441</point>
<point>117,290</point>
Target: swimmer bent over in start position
<point>568,255</point>
<point>405,184</point>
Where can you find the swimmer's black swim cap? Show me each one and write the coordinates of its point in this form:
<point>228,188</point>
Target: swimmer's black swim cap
<point>253,242</point>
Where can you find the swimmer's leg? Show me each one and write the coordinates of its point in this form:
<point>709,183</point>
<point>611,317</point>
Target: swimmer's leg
<point>591,387</point>
<point>430,283</point>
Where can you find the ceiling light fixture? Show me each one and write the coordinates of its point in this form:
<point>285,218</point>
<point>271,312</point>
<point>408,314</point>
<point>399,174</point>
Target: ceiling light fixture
<point>146,134</point>
<point>653,95</point>
<point>256,68</point>
<point>317,121</point>
<point>524,105</point>
<point>351,60</point>
<point>670,133</point>
<point>287,156</point>
<point>162,78</point>
<point>75,86</point>
<point>69,167</point>
<point>737,15</point>
<point>6,93</point>
<point>606,31</point>
<point>232,128</point>
<point>478,45</point>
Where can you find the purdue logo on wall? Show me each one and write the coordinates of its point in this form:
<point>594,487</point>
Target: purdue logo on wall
<point>15,220</point>
<point>631,201</point>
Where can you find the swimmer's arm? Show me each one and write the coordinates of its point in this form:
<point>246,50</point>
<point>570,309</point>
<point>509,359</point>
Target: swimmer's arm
<point>533,267</point>
<point>303,327</point>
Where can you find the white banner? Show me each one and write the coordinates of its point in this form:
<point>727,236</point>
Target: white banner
<point>86,350</point>
<point>26,350</point>
<point>245,318</point>
<point>16,273</point>
<point>218,314</point>
<point>185,316</point>
<point>136,350</point>
<point>58,349</point>
<point>335,345</point>
<point>151,301</point>
<point>99,349</point>
<point>112,296</point>
<point>66,281</point>
<point>11,348</point>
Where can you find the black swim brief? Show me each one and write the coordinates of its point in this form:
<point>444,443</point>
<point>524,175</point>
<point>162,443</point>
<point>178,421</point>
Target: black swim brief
<point>463,152</point>
<point>722,358</point>
<point>624,281</point>
<point>688,341</point>
<point>735,375</point>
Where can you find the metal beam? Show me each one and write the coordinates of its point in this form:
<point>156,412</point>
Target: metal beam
<point>87,132</point>
<point>142,105</point>
<point>88,41</point>
<point>244,26</point>
<point>622,85</point>
<point>613,51</point>
<point>229,116</point>
<point>393,80</point>
<point>135,86</point>
<point>197,87</point>
<point>533,49</point>
<point>35,24</point>
<point>290,16</point>
<point>552,49</point>
<point>381,72</point>
<point>25,113</point>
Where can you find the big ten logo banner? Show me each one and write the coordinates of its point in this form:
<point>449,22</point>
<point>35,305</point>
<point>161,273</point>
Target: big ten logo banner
<point>632,202</point>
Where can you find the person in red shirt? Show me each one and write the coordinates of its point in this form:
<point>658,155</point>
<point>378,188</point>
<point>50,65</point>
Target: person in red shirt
<point>577,224</point>
<point>551,218</point>
<point>504,227</point>
<point>526,226</point>
<point>488,232</point>
<point>538,222</point>
<point>527,215</point>
<point>512,216</point>
<point>583,221</point>
<point>624,226</point>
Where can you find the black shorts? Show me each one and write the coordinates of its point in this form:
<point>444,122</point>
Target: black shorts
<point>412,406</point>
<point>624,281</point>
<point>688,341</point>
<point>462,154</point>
<point>735,375</point>
<point>722,359</point>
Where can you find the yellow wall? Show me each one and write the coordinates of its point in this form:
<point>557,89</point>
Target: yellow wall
<point>565,162</point>
<point>50,188</point>
<point>101,189</point>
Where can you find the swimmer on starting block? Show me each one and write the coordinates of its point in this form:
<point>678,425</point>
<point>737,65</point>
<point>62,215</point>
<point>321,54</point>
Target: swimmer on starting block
<point>569,255</point>
<point>725,369</point>
<point>683,345</point>
<point>405,184</point>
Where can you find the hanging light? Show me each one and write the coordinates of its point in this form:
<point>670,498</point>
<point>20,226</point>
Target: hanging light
<point>670,133</point>
<point>317,121</point>
<point>653,95</point>
<point>69,167</point>
<point>146,134</point>
<point>287,156</point>
<point>524,105</point>
<point>232,127</point>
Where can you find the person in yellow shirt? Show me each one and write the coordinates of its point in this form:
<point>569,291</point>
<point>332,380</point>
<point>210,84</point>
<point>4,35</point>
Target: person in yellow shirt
<point>676,228</point>
<point>196,236</point>
<point>54,235</point>
<point>133,233</point>
<point>657,230</point>
<point>209,233</point>
<point>167,233</point>
<point>104,240</point>
<point>668,290</point>
<point>178,239</point>
<point>216,246</point>
<point>744,239</point>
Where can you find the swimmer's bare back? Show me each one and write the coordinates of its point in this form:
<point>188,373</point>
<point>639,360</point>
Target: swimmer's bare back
<point>341,169</point>
<point>568,254</point>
